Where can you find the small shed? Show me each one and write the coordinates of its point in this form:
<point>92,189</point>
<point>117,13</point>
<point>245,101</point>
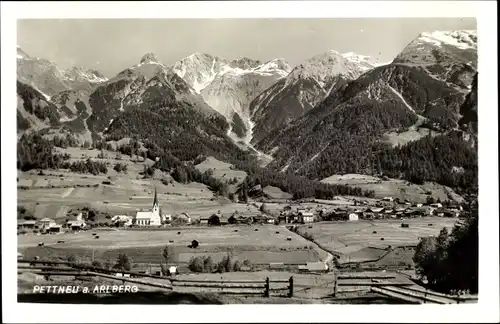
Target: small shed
<point>29,224</point>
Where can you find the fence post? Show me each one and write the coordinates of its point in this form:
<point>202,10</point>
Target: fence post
<point>335,276</point>
<point>266,292</point>
<point>290,287</point>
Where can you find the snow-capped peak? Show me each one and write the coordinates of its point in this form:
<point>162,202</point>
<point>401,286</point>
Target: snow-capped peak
<point>199,69</point>
<point>80,73</point>
<point>149,58</point>
<point>21,54</point>
<point>326,65</point>
<point>274,65</point>
<point>463,39</point>
<point>363,61</point>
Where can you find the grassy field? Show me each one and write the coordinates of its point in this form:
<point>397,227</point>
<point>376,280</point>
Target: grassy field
<point>395,188</point>
<point>361,240</point>
<point>222,170</point>
<point>262,246</point>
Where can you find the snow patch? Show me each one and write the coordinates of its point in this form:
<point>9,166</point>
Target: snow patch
<point>402,99</point>
<point>463,39</point>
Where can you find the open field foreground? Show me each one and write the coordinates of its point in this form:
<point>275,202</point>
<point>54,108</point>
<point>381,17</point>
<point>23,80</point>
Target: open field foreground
<point>359,241</point>
<point>259,244</point>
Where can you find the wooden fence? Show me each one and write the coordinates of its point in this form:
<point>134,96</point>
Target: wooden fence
<point>241,287</point>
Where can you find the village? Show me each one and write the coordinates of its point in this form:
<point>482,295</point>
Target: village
<point>284,212</point>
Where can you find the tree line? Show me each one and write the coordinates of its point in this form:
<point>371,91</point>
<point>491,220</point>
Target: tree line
<point>449,262</point>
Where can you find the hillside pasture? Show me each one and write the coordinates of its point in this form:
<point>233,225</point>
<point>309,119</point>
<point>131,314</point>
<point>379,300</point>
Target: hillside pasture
<point>276,193</point>
<point>221,170</point>
<point>395,188</point>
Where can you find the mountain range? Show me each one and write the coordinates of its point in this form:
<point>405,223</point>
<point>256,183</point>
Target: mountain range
<point>332,113</point>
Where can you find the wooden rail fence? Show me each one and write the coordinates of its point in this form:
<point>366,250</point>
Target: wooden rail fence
<point>242,287</point>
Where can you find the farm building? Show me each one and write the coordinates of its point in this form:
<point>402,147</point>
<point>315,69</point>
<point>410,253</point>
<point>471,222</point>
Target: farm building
<point>353,217</point>
<point>46,223</point>
<point>26,225</point>
<point>260,219</point>
<point>232,220</point>
<point>437,205</point>
<point>270,220</point>
<point>154,270</point>
<point>306,216</point>
<point>121,220</point>
<point>376,210</point>
<point>314,266</point>
<point>400,209</point>
<point>149,218</point>
<point>77,224</point>
<point>217,220</point>
<point>285,218</point>
<point>390,199</point>
<point>55,228</point>
<point>184,217</point>
<point>204,220</point>
<point>166,218</point>
<point>243,220</point>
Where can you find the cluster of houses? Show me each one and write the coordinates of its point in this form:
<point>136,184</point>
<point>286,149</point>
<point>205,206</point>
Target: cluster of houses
<point>220,220</point>
<point>48,225</point>
<point>398,211</point>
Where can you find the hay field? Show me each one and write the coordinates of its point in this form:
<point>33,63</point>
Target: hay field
<point>357,241</point>
<point>262,246</point>
<point>222,170</point>
<point>395,188</point>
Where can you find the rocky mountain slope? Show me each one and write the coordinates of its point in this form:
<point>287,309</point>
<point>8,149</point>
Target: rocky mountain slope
<point>305,86</point>
<point>142,84</point>
<point>342,134</point>
<point>47,78</point>
<point>449,56</point>
<point>232,91</point>
<point>229,86</point>
<point>365,63</point>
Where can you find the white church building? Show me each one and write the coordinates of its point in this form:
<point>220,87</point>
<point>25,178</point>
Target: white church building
<point>149,218</point>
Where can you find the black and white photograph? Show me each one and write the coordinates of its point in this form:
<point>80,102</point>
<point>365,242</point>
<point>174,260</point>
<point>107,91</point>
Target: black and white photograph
<point>322,159</point>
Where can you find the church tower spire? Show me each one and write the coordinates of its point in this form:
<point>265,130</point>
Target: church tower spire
<point>155,201</point>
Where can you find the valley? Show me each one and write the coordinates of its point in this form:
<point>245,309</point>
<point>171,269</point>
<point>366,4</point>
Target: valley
<point>242,169</point>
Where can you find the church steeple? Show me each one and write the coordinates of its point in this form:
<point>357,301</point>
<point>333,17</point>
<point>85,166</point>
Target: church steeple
<point>155,201</point>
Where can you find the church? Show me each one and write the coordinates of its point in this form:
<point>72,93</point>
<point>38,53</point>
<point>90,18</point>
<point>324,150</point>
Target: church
<point>149,218</point>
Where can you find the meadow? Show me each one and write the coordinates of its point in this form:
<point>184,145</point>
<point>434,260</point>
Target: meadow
<point>359,241</point>
<point>258,244</point>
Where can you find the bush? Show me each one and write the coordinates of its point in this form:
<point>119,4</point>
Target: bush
<point>122,262</point>
<point>96,264</point>
<point>226,264</point>
<point>208,264</point>
<point>308,236</point>
<point>248,263</point>
<point>196,264</point>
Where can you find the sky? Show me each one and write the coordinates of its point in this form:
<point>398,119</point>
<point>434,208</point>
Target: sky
<point>112,45</point>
